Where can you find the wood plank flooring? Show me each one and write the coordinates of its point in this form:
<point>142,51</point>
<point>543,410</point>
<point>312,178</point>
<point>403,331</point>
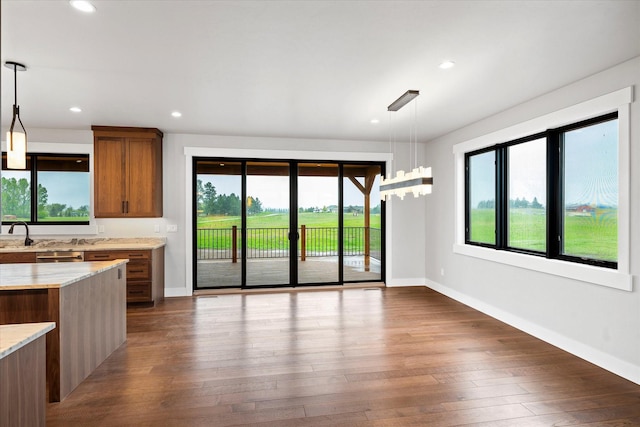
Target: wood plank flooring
<point>352,357</point>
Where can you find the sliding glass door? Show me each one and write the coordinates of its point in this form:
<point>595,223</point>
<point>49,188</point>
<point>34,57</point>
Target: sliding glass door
<point>362,225</point>
<point>260,223</point>
<point>218,219</point>
<point>318,223</point>
<point>267,212</point>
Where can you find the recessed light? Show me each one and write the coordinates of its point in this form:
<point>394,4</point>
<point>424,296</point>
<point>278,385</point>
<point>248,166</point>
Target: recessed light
<point>83,6</point>
<point>75,109</point>
<point>375,121</point>
<point>445,65</point>
<point>176,114</point>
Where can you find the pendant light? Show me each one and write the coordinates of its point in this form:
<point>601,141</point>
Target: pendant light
<point>16,140</point>
<point>419,181</point>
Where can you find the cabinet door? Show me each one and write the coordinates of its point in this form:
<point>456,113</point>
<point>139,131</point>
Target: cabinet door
<point>144,192</point>
<point>110,180</point>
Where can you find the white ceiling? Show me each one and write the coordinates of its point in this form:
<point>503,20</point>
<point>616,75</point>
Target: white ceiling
<point>304,69</point>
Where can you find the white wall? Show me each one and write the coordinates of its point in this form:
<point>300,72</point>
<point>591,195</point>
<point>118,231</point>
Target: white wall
<point>597,323</point>
<point>177,184</point>
<point>404,218</point>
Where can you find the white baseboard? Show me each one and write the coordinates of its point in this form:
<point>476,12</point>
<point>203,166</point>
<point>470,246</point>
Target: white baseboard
<point>184,292</point>
<point>604,360</point>
<point>177,292</point>
<point>406,282</point>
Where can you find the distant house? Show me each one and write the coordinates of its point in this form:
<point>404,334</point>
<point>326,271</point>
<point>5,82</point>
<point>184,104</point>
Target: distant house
<point>581,210</point>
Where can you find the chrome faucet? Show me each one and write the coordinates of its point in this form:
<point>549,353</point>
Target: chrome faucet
<point>27,240</point>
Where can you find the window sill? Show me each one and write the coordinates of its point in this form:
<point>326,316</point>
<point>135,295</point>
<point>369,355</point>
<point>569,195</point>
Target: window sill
<point>582,272</point>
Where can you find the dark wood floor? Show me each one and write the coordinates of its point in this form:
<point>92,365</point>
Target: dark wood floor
<point>353,357</point>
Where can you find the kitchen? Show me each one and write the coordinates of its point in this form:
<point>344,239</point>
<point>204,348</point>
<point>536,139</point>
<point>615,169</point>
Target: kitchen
<point>587,319</point>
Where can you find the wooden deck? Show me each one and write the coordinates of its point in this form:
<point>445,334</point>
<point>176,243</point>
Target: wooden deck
<point>348,357</point>
<point>274,271</point>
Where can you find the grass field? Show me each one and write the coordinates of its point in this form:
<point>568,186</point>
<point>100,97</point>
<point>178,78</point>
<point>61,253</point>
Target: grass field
<point>591,236</point>
<point>325,240</point>
<point>270,220</point>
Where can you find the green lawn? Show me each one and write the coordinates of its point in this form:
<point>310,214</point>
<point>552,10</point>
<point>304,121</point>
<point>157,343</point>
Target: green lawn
<point>593,236</point>
<point>270,220</point>
<point>325,240</point>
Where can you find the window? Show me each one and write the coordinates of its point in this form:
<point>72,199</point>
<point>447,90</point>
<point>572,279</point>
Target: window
<point>553,194</point>
<point>527,189</point>
<point>53,189</point>
<point>590,191</point>
<point>482,197</point>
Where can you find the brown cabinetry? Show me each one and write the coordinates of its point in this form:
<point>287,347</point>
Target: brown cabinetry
<point>17,257</point>
<point>127,172</point>
<point>145,272</point>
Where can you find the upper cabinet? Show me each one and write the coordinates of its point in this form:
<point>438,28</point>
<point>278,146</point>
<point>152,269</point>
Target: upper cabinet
<point>127,172</point>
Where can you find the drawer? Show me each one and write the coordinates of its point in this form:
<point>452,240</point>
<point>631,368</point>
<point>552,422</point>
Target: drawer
<point>111,255</point>
<point>17,257</point>
<point>138,270</point>
<point>137,292</point>
<point>98,256</point>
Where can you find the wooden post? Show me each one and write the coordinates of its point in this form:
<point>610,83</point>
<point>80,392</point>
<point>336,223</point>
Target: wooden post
<point>234,244</point>
<point>303,242</point>
<point>365,189</point>
<point>367,231</point>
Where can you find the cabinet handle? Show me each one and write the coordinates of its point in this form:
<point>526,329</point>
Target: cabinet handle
<point>127,205</point>
<point>134,255</point>
<point>137,271</point>
<point>136,292</point>
<point>123,211</point>
<point>101,256</point>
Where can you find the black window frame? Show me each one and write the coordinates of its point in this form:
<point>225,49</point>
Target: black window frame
<point>554,202</point>
<point>32,168</point>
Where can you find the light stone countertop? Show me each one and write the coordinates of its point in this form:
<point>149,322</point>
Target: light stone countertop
<point>51,275</point>
<point>16,244</point>
<point>14,337</point>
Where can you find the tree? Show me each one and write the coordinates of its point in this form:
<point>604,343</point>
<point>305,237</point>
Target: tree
<point>43,198</point>
<point>234,206</point>
<point>535,204</point>
<point>487,204</point>
<point>56,209</point>
<point>83,210</point>
<point>254,205</point>
<point>199,195</point>
<point>16,197</point>
<point>209,199</point>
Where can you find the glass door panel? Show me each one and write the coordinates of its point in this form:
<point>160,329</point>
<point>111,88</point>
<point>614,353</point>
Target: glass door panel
<point>318,222</point>
<point>362,231</point>
<point>219,223</point>
<point>267,210</point>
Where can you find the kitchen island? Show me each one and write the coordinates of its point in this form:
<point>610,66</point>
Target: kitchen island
<point>87,302</point>
<point>22,369</point>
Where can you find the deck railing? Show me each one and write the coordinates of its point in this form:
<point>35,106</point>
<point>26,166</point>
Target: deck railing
<point>225,243</point>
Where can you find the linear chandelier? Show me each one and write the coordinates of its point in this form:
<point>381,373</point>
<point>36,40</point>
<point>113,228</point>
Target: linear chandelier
<point>420,180</point>
<point>16,140</point>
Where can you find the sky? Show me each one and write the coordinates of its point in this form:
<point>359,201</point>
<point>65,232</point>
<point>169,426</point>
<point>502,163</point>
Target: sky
<point>67,188</point>
<point>591,168</point>
<point>273,191</point>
